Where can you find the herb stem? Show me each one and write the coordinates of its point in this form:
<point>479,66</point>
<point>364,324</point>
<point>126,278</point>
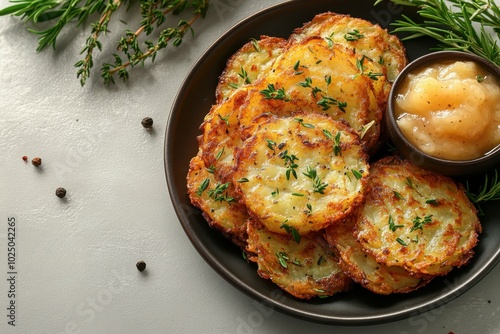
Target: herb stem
<point>452,25</point>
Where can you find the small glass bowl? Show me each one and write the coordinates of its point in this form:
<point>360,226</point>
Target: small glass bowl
<point>416,155</point>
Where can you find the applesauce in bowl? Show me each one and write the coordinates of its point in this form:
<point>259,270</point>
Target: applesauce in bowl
<point>444,113</point>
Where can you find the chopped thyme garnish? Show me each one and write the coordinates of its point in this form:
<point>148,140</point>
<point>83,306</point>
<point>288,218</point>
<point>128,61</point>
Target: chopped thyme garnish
<point>275,193</point>
<point>307,83</point>
<point>361,67</point>
<point>432,201</point>
<point>218,193</point>
<point>242,180</point>
<point>418,222</point>
<point>272,93</point>
<point>357,174</point>
<point>224,118</point>
<point>353,35</point>
<point>244,75</point>
<point>282,258</point>
<point>329,41</point>
<point>401,242</point>
<point>410,184</point>
<point>480,78</point>
<point>289,163</point>
<point>219,154</point>
<point>337,151</point>
<point>203,186</point>
<point>271,144</point>
<point>392,226</point>
<point>309,209</point>
<point>301,121</point>
<point>326,102</point>
<point>318,186</point>
<point>210,169</point>
<point>328,79</point>
<point>233,85</point>
<point>296,68</point>
<point>255,44</point>
<point>292,231</point>
<point>397,195</point>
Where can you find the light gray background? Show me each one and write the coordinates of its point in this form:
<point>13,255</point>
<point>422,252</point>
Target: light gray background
<point>76,258</point>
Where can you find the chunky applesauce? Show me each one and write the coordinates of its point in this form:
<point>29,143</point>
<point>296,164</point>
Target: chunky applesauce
<point>450,110</point>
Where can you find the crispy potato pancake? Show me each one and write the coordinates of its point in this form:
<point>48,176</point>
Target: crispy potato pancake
<point>416,219</point>
<point>305,269</point>
<point>363,268</point>
<point>379,56</point>
<point>311,76</point>
<point>323,78</point>
<point>217,202</point>
<point>251,62</point>
<point>368,39</point>
<point>220,136</point>
<point>307,171</point>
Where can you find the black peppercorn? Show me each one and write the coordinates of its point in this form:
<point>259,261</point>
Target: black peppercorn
<point>60,192</point>
<point>141,265</point>
<point>36,162</point>
<point>147,122</point>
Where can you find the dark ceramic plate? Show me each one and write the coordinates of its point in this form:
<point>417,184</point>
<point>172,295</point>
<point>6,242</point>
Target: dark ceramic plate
<point>194,100</point>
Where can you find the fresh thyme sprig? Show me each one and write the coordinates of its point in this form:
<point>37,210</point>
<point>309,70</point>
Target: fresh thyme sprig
<point>289,163</point>
<point>453,25</point>
<point>93,41</point>
<point>154,13</point>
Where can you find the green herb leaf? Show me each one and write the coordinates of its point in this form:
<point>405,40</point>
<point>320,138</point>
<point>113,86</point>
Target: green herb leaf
<point>219,193</point>
<point>292,231</point>
<point>468,26</point>
<point>401,242</point>
<point>353,35</point>
<point>418,222</point>
<point>272,93</point>
<point>282,259</point>
<point>203,186</point>
<point>301,122</point>
<point>392,226</point>
<point>289,163</point>
<point>357,174</point>
<point>398,195</point>
<point>318,186</point>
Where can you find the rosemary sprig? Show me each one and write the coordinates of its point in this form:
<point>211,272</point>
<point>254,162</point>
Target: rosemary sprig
<point>453,25</point>
<point>154,13</point>
<point>488,191</point>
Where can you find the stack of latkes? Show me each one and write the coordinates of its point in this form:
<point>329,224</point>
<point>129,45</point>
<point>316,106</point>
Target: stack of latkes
<point>286,167</point>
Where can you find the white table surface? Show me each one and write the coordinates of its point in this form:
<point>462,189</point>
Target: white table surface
<point>75,258</point>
